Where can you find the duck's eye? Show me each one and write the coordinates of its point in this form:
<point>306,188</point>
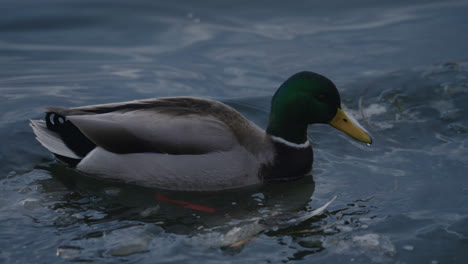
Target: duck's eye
<point>322,97</point>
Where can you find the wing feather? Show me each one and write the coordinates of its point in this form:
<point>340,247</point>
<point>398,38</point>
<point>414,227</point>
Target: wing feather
<point>153,131</point>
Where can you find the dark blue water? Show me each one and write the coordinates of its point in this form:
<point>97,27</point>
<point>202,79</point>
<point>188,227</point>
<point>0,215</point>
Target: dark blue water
<point>401,68</point>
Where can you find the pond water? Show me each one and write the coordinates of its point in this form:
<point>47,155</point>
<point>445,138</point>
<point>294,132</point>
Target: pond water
<point>400,66</point>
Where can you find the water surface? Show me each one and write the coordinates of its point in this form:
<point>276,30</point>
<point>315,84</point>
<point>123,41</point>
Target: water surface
<point>400,66</point>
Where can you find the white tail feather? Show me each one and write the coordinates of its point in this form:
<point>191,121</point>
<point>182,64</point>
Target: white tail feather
<point>51,140</point>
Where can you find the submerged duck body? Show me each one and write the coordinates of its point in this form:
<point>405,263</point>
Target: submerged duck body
<point>188,143</point>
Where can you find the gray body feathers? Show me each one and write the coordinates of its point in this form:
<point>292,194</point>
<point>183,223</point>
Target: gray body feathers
<point>179,143</point>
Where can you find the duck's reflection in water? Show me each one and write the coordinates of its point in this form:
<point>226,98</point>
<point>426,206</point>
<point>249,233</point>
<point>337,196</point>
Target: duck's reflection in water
<point>236,215</point>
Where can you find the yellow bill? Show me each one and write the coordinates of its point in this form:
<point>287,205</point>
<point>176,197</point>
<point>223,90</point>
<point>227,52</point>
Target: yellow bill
<point>342,122</point>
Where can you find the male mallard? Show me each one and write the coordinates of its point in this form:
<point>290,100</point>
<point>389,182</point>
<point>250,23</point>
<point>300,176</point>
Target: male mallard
<point>187,143</point>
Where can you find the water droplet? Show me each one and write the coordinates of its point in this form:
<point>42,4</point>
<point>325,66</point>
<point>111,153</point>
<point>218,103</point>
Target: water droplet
<point>408,247</point>
<point>112,191</point>
<point>30,203</point>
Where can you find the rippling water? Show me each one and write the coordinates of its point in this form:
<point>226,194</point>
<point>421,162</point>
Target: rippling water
<point>401,68</point>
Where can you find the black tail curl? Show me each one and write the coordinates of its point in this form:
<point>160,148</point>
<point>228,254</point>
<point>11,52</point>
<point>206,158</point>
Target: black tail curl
<point>73,138</point>
<point>54,121</point>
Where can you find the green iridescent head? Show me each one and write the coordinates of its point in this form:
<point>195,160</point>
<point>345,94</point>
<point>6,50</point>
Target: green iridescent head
<point>307,98</point>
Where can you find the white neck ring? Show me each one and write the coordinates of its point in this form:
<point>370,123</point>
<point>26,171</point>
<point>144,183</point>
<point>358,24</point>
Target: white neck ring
<point>306,144</point>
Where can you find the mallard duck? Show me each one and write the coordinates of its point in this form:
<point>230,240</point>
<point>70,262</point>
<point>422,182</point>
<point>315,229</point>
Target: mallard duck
<point>188,143</point>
